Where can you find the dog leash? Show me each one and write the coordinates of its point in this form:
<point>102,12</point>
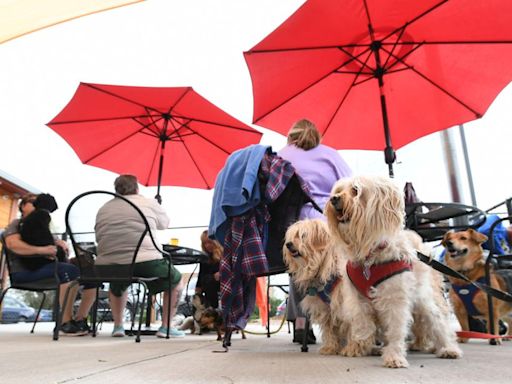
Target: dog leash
<point>480,335</point>
<point>500,295</point>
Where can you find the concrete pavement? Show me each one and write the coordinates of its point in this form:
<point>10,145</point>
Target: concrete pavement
<point>34,358</point>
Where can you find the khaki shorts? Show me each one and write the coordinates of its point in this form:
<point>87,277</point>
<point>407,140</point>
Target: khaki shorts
<point>153,268</point>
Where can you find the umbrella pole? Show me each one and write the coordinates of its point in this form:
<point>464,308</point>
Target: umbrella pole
<point>160,169</point>
<point>389,152</point>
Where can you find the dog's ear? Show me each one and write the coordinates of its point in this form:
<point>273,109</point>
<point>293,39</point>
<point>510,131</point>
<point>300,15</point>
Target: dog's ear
<point>477,236</point>
<point>446,237</point>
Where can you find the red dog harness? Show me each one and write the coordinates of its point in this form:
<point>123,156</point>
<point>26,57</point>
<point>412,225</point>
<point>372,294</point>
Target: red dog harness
<point>364,278</point>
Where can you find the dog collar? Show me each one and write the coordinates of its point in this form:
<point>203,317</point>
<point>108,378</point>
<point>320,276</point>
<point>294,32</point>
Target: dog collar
<point>365,277</point>
<point>325,293</point>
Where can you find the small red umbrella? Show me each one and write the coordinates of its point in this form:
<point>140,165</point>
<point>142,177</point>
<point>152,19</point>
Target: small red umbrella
<point>144,130</point>
<point>378,74</point>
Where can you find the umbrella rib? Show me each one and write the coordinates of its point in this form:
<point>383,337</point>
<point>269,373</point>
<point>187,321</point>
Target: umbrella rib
<point>352,58</point>
<point>445,91</point>
<point>394,47</point>
<point>187,90</point>
<point>146,125</point>
<point>110,147</point>
<point>345,96</point>
<point>189,152</point>
<point>121,97</point>
<point>455,42</point>
<point>249,130</point>
<point>97,120</point>
<point>203,137</point>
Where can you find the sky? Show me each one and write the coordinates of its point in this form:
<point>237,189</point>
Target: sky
<point>196,43</point>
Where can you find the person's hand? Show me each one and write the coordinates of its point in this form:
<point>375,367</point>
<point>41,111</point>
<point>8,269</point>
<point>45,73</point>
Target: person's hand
<point>216,276</point>
<point>49,251</point>
<point>63,245</point>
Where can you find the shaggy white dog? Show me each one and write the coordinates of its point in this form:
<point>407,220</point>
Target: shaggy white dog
<point>316,269</point>
<point>390,286</point>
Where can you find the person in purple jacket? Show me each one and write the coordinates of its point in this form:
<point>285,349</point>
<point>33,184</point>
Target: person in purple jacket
<point>320,166</point>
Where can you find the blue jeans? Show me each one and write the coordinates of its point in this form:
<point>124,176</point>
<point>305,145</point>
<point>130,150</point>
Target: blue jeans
<point>67,272</point>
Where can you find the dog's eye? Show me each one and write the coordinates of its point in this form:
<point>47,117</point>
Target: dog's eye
<point>354,191</point>
<point>303,236</point>
<point>463,238</point>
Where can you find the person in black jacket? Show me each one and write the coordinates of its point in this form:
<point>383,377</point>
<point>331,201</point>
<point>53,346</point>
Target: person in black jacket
<point>208,281</point>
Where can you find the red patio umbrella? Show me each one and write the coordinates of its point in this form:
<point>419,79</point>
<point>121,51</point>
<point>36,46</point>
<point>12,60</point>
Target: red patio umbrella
<point>144,130</point>
<point>378,74</point>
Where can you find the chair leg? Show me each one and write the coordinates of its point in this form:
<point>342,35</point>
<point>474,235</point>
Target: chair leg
<point>2,295</point>
<point>142,308</point>
<point>136,309</point>
<point>95,312</point>
<point>268,306</point>
<point>57,314</point>
<point>38,312</point>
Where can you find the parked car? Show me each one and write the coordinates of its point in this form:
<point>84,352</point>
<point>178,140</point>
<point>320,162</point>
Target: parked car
<point>45,315</point>
<point>14,311</point>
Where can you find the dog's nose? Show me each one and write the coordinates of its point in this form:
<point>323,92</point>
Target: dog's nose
<point>335,200</point>
<point>289,245</point>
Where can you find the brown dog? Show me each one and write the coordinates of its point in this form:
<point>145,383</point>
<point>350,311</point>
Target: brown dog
<point>205,319</point>
<point>464,253</point>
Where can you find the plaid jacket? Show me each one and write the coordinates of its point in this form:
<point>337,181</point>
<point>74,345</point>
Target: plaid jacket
<point>245,242</point>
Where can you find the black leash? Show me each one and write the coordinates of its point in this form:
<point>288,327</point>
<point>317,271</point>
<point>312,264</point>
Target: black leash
<point>500,295</point>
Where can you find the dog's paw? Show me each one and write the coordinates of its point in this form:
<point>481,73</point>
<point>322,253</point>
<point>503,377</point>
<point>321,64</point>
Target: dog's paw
<point>353,349</point>
<point>393,360</point>
<point>453,352</point>
<point>328,350</point>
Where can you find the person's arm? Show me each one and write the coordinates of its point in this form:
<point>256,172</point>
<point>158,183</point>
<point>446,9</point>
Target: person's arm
<point>21,248</point>
<point>162,220</point>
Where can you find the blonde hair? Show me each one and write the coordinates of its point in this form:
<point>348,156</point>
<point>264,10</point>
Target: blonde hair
<point>304,134</point>
<point>218,249</point>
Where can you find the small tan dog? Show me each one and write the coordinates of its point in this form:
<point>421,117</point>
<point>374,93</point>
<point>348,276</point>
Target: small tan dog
<point>316,270</point>
<point>464,254</point>
<point>390,288</point>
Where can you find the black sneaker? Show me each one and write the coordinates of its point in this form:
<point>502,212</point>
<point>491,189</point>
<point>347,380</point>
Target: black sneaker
<point>83,326</point>
<point>71,329</point>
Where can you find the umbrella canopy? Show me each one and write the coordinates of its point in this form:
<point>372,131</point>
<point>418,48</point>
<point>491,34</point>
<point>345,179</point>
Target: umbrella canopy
<point>145,130</point>
<point>20,17</point>
<point>378,74</point>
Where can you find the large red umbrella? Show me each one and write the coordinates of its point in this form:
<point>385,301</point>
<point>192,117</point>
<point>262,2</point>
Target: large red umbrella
<point>378,74</point>
<point>145,130</point>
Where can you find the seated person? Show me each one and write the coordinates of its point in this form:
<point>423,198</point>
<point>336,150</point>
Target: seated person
<point>208,281</point>
<point>23,254</point>
<point>118,230</point>
<point>34,229</point>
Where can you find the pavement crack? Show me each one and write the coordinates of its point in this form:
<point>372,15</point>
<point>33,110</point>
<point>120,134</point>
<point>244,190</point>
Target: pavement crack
<point>128,364</point>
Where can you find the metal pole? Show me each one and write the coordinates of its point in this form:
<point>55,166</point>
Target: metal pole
<point>389,153</point>
<point>452,168</point>
<point>468,164</point>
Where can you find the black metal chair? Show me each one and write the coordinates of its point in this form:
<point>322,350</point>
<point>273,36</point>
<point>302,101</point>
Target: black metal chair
<point>432,220</point>
<point>114,273</point>
<point>43,285</point>
<point>501,264</point>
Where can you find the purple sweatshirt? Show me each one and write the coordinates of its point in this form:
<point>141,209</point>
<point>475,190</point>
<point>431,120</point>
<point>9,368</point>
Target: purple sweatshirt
<point>320,168</point>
